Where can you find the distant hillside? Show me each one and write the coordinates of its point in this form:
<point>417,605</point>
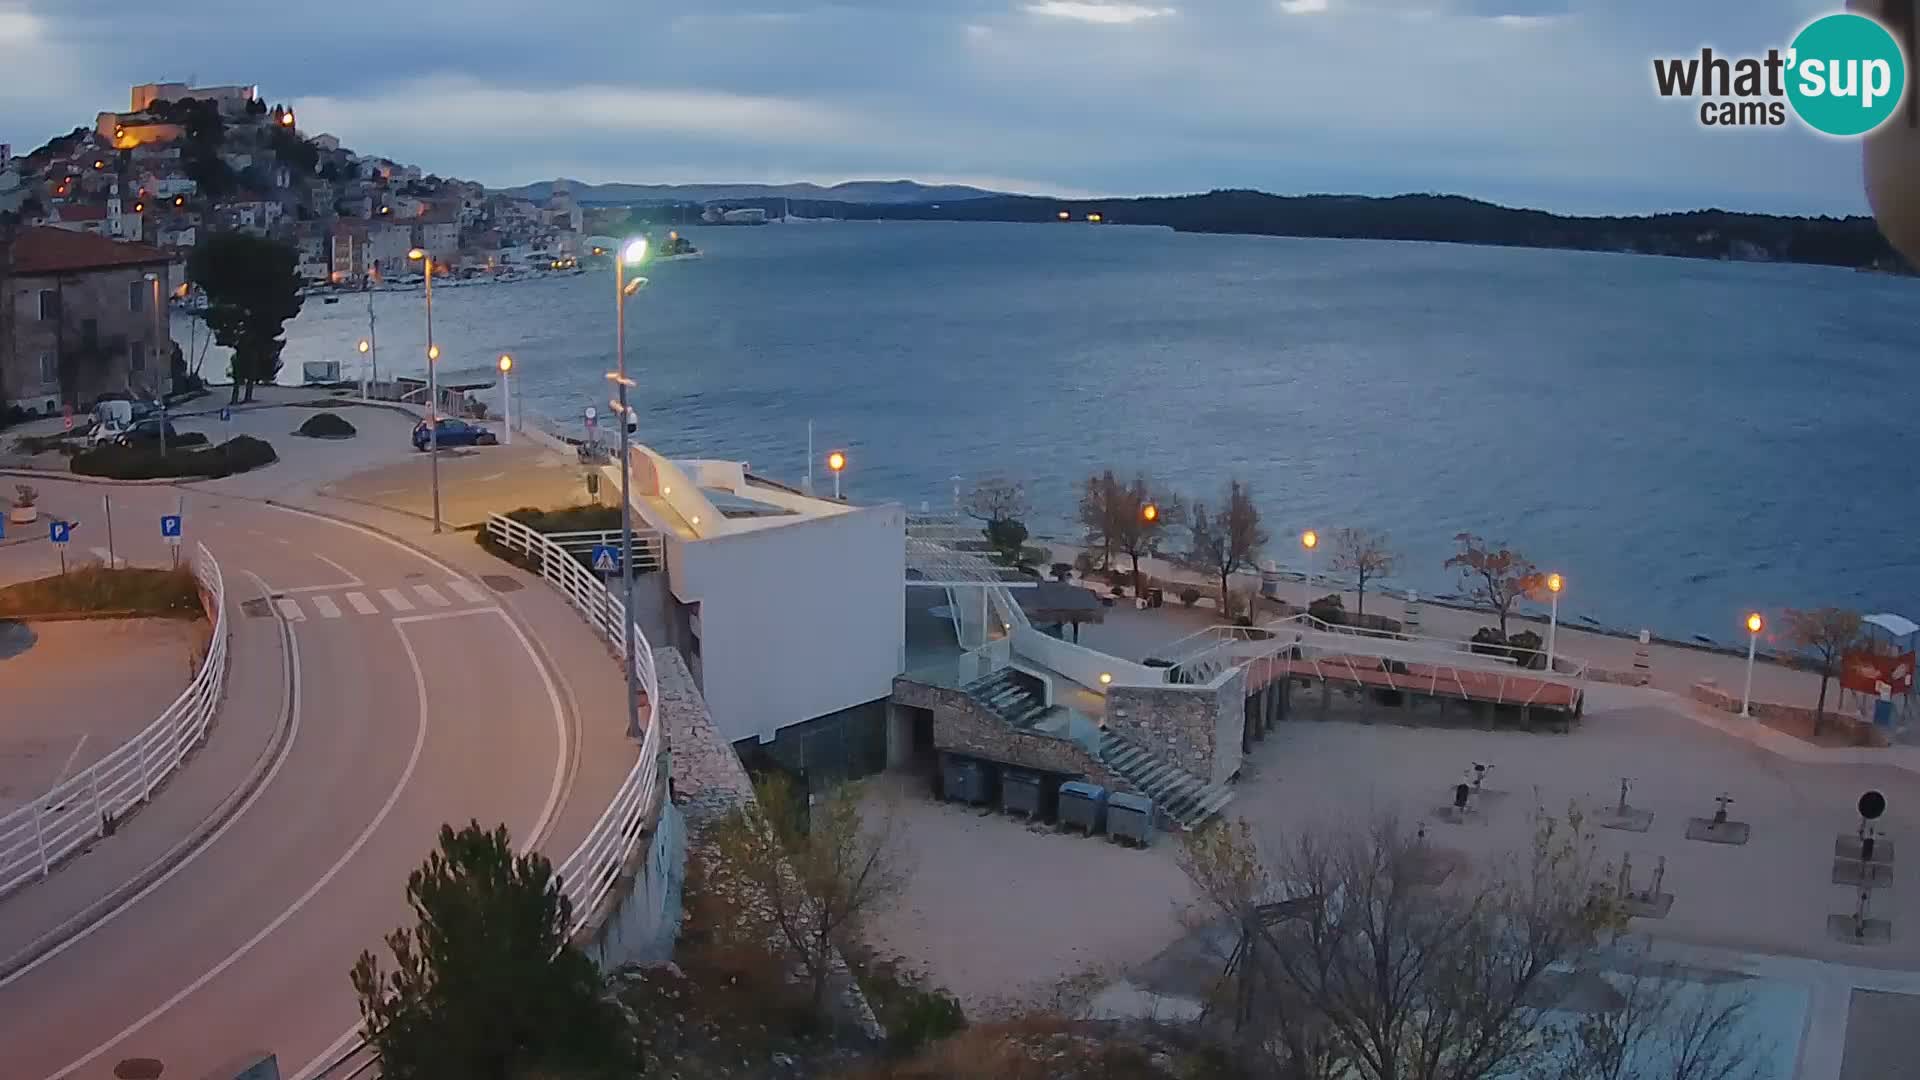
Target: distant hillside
<point>1707,234</point>
<point>870,192</point>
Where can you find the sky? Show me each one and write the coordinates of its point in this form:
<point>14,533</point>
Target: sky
<point>1540,103</point>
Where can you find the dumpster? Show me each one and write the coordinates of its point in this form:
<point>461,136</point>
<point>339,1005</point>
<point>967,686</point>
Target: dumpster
<point>1130,818</point>
<point>966,780</point>
<point>1021,792</point>
<point>1156,596</point>
<point>1083,806</point>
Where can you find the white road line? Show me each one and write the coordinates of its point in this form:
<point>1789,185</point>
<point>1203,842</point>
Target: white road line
<point>352,579</point>
<point>467,591</point>
<point>328,609</point>
<point>432,596</point>
<point>439,615</point>
<point>290,609</point>
<point>361,604</point>
<point>395,600</point>
<point>492,476</point>
<point>71,758</point>
<point>393,798</point>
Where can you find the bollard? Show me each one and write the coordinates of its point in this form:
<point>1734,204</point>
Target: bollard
<point>1412,613</point>
<point>1642,661</point>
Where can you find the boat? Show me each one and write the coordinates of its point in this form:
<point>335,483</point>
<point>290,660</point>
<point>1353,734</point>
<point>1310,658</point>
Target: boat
<point>747,215</point>
<point>677,247</point>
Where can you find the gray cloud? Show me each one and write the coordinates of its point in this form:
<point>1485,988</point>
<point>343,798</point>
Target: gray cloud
<point>1544,102</point>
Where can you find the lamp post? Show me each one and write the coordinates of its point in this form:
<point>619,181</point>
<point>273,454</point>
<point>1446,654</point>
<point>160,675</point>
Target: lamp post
<point>1308,540</point>
<point>1553,619</point>
<point>433,385</point>
<point>365,385</point>
<point>631,253</point>
<point>1755,624</point>
<point>153,280</point>
<point>506,397</point>
<point>836,463</point>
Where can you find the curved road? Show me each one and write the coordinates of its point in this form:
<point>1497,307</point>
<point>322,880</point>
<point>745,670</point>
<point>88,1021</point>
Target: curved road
<point>414,700</point>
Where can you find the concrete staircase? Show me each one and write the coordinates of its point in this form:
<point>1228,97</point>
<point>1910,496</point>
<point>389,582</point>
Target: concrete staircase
<point>1009,695</point>
<point>1179,794</point>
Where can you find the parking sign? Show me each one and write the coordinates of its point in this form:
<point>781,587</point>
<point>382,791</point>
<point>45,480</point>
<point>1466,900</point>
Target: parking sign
<point>170,528</point>
<point>59,531</point>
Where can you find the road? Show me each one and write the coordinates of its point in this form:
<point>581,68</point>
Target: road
<point>415,698</point>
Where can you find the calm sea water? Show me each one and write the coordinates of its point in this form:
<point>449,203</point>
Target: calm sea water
<point>1682,440</point>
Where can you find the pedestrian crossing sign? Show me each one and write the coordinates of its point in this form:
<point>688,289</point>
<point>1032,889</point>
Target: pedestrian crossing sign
<point>605,559</point>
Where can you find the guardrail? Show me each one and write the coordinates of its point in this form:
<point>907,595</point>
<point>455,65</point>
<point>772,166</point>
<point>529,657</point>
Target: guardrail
<point>87,805</point>
<point>649,549</point>
<point>589,873</point>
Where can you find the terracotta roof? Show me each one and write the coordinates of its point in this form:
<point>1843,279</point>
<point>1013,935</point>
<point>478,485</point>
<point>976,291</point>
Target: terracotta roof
<point>81,212</point>
<point>47,250</point>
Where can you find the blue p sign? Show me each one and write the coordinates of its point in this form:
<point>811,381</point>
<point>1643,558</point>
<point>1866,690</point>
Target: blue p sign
<point>59,531</point>
<point>170,526</point>
<point>226,413</point>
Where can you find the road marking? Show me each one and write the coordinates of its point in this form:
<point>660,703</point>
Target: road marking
<point>352,579</point>
<point>432,596</point>
<point>328,609</point>
<point>439,615</point>
<point>395,600</point>
<point>393,799</point>
<point>290,706</point>
<point>467,591</point>
<point>71,758</point>
<point>535,836</point>
<point>290,609</point>
<point>361,604</point>
<point>492,476</point>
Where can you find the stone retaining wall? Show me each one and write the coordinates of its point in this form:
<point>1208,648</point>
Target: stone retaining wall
<point>1796,720</point>
<point>963,725</point>
<point>1624,678</point>
<point>1197,728</point>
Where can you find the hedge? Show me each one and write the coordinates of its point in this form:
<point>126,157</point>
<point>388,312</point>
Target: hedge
<point>326,425</point>
<point>236,455</point>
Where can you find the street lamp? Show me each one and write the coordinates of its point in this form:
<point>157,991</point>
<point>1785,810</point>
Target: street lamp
<point>366,386</point>
<point>632,253</point>
<point>836,463</point>
<point>1308,540</point>
<point>1553,619</point>
<point>433,385</point>
<point>1755,624</point>
<point>506,395</point>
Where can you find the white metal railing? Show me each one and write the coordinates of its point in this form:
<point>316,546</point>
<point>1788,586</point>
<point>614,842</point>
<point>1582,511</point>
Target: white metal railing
<point>84,806</point>
<point>649,548</point>
<point>589,873</point>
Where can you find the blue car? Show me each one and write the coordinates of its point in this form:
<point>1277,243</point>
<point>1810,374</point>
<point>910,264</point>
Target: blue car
<point>453,433</point>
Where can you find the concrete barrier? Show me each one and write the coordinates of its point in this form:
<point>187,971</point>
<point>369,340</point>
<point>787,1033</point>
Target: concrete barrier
<point>1796,720</point>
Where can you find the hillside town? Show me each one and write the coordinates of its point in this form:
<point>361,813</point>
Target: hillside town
<point>102,220</point>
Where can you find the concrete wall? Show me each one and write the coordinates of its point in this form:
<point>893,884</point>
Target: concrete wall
<point>1197,728</point>
<point>796,620</point>
<point>964,726</point>
<point>1793,719</point>
<point>1081,664</point>
<point>641,925</point>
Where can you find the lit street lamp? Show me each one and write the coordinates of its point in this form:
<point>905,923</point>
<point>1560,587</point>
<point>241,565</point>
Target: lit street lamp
<point>366,387</point>
<point>836,464</point>
<point>506,396</point>
<point>1553,620</point>
<point>1755,624</point>
<point>632,253</point>
<point>1308,540</point>
<point>433,385</point>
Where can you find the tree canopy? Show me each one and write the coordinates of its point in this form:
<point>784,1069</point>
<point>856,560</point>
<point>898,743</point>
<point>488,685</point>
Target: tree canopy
<point>1493,576</point>
<point>252,285</point>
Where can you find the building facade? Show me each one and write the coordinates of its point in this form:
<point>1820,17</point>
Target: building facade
<point>82,320</point>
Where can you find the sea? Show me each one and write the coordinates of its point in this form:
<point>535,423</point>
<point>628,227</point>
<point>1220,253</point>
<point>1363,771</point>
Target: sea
<point>1683,441</point>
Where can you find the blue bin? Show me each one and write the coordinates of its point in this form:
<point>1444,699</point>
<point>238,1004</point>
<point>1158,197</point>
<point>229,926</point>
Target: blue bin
<point>1083,806</point>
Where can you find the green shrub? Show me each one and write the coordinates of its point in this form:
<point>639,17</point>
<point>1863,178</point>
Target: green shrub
<point>1083,563</point>
<point>1487,641</point>
<point>1525,648</point>
<point>326,425</point>
<point>1189,596</point>
<point>1061,571</point>
<point>1328,609</point>
<point>238,454</point>
<point>94,588</point>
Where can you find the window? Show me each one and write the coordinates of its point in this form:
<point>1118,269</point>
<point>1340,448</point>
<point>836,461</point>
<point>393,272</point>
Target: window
<point>49,305</point>
<point>136,295</point>
<point>137,356</point>
<point>49,371</point>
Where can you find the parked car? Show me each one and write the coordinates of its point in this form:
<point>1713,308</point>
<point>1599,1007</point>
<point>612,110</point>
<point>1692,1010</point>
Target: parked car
<point>111,419</point>
<point>147,433</point>
<point>453,432</point>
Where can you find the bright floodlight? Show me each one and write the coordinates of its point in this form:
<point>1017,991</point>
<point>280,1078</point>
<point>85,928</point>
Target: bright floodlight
<point>506,363</point>
<point>1106,678</point>
<point>836,461</point>
<point>1309,539</point>
<point>1150,512</point>
<point>416,254</point>
<point>365,345</point>
<point>1553,582</point>
<point>1754,623</point>
<point>634,251</point>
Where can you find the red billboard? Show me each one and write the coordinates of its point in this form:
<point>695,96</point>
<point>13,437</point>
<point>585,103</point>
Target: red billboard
<point>1870,673</point>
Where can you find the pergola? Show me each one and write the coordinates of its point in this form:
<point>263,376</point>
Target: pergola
<point>1059,604</point>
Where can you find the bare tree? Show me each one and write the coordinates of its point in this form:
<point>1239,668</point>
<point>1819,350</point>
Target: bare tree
<point>1098,493</point>
<point>805,878</point>
<point>1003,505</point>
<point>1364,554</point>
<point>1663,1025</point>
<point>1229,540</point>
<point>1828,633</point>
<point>1493,576</point>
<point>1141,514</point>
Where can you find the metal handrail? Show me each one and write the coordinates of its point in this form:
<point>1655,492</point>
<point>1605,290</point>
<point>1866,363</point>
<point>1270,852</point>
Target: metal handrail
<point>85,806</point>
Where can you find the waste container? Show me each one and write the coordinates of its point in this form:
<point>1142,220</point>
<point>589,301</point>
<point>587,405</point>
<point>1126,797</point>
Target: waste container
<point>1083,806</point>
<point>1020,793</point>
<point>1130,818</point>
<point>966,780</point>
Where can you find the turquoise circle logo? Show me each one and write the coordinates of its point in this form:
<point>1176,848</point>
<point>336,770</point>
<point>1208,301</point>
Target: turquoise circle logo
<point>1847,74</point>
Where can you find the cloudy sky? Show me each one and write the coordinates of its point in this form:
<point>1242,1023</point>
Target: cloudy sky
<point>1544,103</point>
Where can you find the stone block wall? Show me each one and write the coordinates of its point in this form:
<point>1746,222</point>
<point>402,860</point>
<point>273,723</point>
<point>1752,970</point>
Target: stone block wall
<point>1196,727</point>
<point>1796,720</point>
<point>964,726</point>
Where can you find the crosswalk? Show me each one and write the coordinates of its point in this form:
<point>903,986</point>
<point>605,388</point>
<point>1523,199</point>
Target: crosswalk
<point>380,601</point>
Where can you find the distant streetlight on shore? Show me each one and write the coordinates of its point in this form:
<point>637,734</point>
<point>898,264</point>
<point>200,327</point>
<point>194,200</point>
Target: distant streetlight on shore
<point>1554,585</point>
<point>506,397</point>
<point>632,253</point>
<point>836,464</point>
<point>1755,624</point>
<point>1308,540</point>
<point>419,255</point>
<point>1151,513</point>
